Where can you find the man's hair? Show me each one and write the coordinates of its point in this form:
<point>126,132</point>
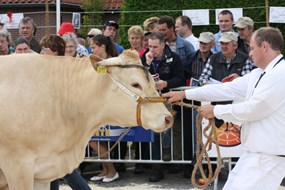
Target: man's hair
<point>185,20</point>
<point>157,36</point>
<point>21,40</point>
<point>136,30</point>
<point>271,35</point>
<point>29,20</point>
<point>53,42</point>
<point>168,20</point>
<point>227,12</point>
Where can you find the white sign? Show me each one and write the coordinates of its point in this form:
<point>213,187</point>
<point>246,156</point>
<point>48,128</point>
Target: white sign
<point>237,13</point>
<point>13,22</point>
<point>76,20</point>
<point>198,17</point>
<point>277,14</point>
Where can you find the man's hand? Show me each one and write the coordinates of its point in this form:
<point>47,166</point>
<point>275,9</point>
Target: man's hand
<point>149,57</point>
<point>161,84</point>
<point>207,111</point>
<point>174,96</point>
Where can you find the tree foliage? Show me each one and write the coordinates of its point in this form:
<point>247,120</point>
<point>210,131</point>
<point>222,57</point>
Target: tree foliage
<point>94,16</point>
<point>134,12</point>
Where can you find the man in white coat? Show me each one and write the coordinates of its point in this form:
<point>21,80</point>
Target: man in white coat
<point>262,112</point>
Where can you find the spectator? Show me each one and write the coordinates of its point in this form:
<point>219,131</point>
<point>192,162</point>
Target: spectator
<point>261,112</point>
<point>27,29</point>
<point>22,45</point>
<point>92,32</point>
<point>67,27</point>
<point>151,24</point>
<point>183,27</point>
<point>54,45</point>
<point>186,51</point>
<point>5,40</point>
<point>71,45</point>
<point>229,61</point>
<point>201,56</point>
<point>145,39</point>
<point>161,60</point>
<point>110,29</point>
<point>226,22</point>
<point>245,30</point>
<point>104,47</point>
<point>135,37</point>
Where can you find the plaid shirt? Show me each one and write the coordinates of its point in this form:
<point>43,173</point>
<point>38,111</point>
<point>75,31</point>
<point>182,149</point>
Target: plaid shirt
<point>207,71</point>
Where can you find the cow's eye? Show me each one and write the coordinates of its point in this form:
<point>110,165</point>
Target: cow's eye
<point>137,85</point>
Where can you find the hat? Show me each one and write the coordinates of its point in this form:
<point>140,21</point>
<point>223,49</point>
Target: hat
<point>94,31</point>
<point>243,22</point>
<point>145,33</point>
<point>206,37</point>
<point>228,37</point>
<point>111,23</point>
<point>66,27</point>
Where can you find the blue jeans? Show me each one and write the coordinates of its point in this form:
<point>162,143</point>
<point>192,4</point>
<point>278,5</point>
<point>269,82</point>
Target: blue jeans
<point>73,180</point>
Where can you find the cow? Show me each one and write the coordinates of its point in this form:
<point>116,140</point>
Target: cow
<point>52,105</point>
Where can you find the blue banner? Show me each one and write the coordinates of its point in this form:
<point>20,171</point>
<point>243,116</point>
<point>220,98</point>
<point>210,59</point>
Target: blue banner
<point>112,133</point>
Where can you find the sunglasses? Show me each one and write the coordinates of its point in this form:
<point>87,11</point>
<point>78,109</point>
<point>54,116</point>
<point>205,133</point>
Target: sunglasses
<point>90,36</point>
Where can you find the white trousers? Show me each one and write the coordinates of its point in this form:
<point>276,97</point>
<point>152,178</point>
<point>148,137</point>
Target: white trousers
<point>256,171</point>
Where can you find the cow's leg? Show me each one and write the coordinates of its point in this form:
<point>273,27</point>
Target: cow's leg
<point>40,186</point>
<point>3,182</point>
<point>19,173</point>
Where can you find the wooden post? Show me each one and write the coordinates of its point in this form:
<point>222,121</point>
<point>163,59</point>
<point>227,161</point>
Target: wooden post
<point>47,17</point>
<point>266,13</point>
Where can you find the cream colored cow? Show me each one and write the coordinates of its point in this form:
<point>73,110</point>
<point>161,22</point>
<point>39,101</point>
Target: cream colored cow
<point>51,106</point>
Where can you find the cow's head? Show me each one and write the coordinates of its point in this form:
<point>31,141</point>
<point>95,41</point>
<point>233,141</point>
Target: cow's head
<point>132,93</point>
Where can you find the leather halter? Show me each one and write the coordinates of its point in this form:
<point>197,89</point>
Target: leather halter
<point>138,98</point>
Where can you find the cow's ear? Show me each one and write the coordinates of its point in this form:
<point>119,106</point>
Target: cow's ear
<point>94,60</point>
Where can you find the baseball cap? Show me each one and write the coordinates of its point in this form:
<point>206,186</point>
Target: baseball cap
<point>66,27</point>
<point>94,32</point>
<point>146,33</point>
<point>243,22</point>
<point>206,37</point>
<point>228,37</point>
<point>111,23</point>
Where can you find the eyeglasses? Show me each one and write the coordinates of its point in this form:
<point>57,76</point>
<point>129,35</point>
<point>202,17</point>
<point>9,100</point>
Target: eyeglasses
<point>70,47</point>
<point>90,36</point>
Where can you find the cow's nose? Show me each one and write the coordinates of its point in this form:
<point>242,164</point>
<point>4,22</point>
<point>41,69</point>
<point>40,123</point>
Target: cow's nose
<point>168,121</point>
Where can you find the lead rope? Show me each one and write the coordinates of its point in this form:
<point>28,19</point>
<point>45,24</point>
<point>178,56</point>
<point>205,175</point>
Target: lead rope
<point>210,134</point>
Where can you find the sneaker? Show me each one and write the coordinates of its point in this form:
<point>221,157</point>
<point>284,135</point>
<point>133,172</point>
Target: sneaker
<point>97,178</point>
<point>156,174</point>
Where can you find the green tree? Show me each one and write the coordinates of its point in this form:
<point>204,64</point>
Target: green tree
<point>93,14</point>
<point>134,12</point>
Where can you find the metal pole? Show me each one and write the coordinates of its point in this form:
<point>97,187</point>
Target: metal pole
<point>57,15</point>
<point>47,17</point>
<point>266,11</point>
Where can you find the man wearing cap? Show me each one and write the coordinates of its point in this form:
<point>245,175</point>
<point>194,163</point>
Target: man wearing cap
<point>206,42</point>
<point>92,32</point>
<point>226,22</point>
<point>228,62</point>
<point>27,29</point>
<point>245,30</point>
<point>110,29</point>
